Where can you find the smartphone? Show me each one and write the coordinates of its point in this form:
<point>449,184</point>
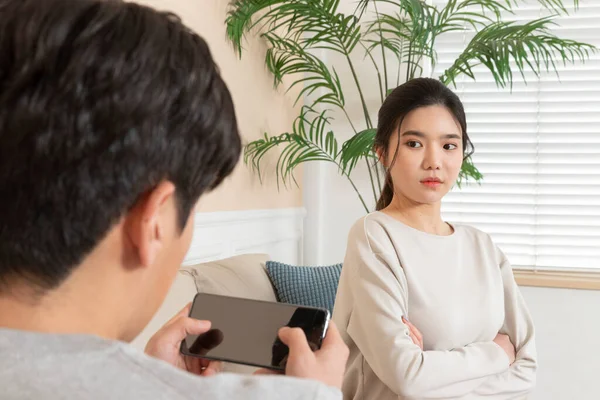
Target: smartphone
<point>245,331</point>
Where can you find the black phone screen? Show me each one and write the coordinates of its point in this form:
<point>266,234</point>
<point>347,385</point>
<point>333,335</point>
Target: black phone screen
<point>245,331</point>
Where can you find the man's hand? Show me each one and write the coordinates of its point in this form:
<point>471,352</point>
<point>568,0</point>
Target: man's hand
<point>165,344</point>
<point>415,335</point>
<point>326,365</point>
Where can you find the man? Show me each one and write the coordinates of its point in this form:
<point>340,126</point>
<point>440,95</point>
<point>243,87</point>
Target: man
<point>113,122</point>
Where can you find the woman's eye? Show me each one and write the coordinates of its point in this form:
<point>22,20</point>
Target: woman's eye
<point>413,144</point>
<point>450,146</point>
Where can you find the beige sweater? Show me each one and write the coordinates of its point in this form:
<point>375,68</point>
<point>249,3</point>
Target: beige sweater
<point>458,290</point>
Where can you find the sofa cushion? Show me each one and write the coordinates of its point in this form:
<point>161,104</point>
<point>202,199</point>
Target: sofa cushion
<point>307,286</point>
<point>239,276</point>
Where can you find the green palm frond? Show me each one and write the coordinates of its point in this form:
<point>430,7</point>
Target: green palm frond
<point>456,15</point>
<point>357,148</point>
<point>408,29</point>
<point>308,141</point>
<point>241,18</point>
<point>294,29</point>
<point>326,28</point>
<point>313,23</point>
<point>558,5</point>
<point>495,6</point>
<point>286,57</point>
<point>531,45</point>
<point>407,34</point>
<point>468,172</point>
<point>396,33</point>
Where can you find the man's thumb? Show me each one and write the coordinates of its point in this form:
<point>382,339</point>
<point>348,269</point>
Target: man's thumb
<point>183,326</point>
<point>295,339</point>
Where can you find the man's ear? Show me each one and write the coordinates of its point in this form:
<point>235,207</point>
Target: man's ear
<point>151,220</point>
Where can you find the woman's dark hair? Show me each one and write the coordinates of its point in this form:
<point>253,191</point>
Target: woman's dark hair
<point>100,101</point>
<point>416,93</point>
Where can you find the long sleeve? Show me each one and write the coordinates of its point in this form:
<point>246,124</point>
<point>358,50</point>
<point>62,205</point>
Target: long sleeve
<point>518,381</point>
<point>379,287</point>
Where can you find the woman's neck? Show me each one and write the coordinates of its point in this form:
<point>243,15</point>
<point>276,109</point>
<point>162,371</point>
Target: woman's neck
<point>424,217</point>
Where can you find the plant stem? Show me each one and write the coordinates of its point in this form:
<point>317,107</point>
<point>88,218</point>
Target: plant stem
<point>399,63</point>
<point>385,75</point>
<point>381,93</point>
<point>409,60</point>
<point>349,120</point>
<point>358,193</point>
<point>367,119</point>
<point>362,98</point>
<point>414,67</point>
<point>334,161</point>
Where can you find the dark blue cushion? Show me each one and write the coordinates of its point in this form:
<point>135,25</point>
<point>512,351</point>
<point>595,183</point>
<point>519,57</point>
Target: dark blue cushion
<point>306,286</point>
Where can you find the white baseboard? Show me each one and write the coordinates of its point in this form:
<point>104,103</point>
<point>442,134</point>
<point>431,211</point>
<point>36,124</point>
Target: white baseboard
<point>277,232</point>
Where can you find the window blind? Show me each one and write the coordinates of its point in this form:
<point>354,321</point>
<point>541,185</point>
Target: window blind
<point>538,147</point>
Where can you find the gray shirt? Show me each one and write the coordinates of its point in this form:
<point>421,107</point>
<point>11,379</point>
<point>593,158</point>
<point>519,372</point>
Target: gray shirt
<point>48,366</point>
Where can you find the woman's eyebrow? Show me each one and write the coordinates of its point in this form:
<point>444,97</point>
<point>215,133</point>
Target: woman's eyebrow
<point>422,135</point>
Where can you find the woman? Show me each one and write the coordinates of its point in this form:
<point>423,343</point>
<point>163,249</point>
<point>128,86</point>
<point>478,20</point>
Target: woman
<point>470,334</point>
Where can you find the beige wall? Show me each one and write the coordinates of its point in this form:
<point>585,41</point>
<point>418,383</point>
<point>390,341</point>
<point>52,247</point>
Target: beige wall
<point>259,107</point>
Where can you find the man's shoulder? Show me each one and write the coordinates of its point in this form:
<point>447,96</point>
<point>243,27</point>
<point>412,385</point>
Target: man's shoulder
<point>76,366</point>
<point>82,366</point>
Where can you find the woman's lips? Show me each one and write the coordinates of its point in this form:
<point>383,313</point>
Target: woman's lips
<point>431,182</point>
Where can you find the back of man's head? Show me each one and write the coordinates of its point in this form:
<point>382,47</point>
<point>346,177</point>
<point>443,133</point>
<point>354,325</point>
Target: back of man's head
<point>100,100</point>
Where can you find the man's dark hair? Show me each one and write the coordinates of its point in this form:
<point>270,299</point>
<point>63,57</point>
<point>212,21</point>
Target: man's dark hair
<point>100,100</point>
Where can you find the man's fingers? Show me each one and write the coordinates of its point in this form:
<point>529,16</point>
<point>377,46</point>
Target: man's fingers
<point>333,339</point>
<point>191,326</point>
<point>295,339</point>
<point>264,371</point>
<point>177,330</point>
<point>333,343</point>
<point>184,312</point>
<point>204,362</point>
<point>213,368</point>
<point>192,364</point>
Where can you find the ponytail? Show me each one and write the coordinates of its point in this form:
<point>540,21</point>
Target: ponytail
<point>386,194</point>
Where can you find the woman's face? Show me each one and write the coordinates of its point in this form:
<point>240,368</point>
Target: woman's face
<point>430,155</point>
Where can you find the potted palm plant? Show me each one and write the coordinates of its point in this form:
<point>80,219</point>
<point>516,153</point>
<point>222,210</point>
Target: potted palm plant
<point>405,31</point>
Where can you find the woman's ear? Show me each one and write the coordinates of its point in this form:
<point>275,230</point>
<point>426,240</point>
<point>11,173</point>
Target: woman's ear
<point>381,156</point>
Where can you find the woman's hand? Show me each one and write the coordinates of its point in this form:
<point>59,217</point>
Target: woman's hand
<point>504,342</point>
<point>415,335</point>
<point>501,340</point>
